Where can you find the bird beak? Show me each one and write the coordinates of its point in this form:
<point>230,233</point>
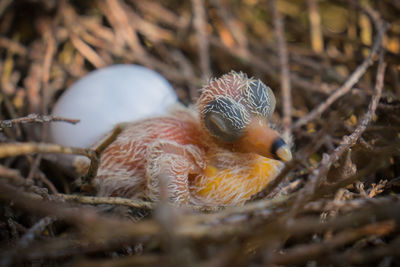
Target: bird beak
<point>259,138</point>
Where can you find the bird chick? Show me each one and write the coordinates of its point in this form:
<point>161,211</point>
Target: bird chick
<point>220,154</point>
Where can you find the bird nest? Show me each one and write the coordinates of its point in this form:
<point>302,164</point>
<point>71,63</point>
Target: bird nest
<point>334,67</point>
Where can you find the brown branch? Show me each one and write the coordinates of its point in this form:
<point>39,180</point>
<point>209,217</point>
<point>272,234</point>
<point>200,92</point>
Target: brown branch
<point>14,178</point>
<point>200,24</point>
<point>35,230</point>
<point>124,30</point>
<point>350,82</point>
<point>89,53</point>
<point>303,253</point>
<point>317,41</point>
<point>18,149</point>
<point>134,203</point>
<point>47,182</point>
<point>318,175</point>
<point>35,118</point>
<point>13,47</point>
<point>255,61</point>
<point>10,256</point>
<point>369,255</point>
<point>284,66</point>
<point>97,150</point>
<point>47,62</point>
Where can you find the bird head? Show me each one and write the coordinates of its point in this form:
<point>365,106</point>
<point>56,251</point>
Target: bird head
<point>236,110</point>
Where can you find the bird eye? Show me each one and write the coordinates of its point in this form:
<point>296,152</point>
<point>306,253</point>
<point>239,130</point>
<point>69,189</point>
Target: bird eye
<point>225,119</point>
<point>261,98</point>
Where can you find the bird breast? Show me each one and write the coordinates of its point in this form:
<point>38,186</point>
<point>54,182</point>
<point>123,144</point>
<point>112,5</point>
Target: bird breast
<point>221,177</point>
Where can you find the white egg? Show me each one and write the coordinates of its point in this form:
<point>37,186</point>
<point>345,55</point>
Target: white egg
<point>106,97</point>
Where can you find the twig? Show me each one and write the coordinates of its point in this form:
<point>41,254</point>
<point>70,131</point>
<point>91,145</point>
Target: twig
<point>13,46</point>
<point>314,17</point>
<point>134,203</point>
<point>318,175</point>
<point>91,55</point>
<point>35,230</point>
<point>304,253</point>
<point>98,149</point>
<point>9,257</point>
<point>350,82</point>
<point>232,24</point>
<point>47,182</point>
<point>13,150</point>
<point>284,66</point>
<point>14,177</point>
<point>200,24</point>
<point>367,256</point>
<point>47,62</point>
<point>35,118</point>
<point>255,61</point>
<point>118,18</point>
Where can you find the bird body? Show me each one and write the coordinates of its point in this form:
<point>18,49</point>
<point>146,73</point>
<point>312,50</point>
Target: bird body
<point>221,154</point>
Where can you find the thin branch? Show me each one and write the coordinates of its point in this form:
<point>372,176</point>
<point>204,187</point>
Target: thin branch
<point>303,253</point>
<point>284,66</point>
<point>200,24</point>
<point>317,41</point>
<point>10,256</point>
<point>318,175</point>
<point>350,82</point>
<point>89,53</point>
<point>46,68</point>
<point>18,149</point>
<point>134,203</point>
<point>35,118</point>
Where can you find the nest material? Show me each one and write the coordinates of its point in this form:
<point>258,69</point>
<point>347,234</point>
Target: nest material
<point>334,67</point>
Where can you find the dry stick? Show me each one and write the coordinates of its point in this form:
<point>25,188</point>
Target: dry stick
<point>350,82</point>
<point>119,20</point>
<point>303,253</point>
<point>83,218</point>
<point>134,203</point>
<point>35,230</point>
<point>314,17</point>
<point>284,66</point>
<point>14,178</point>
<point>108,229</point>
<point>358,256</point>
<point>231,23</point>
<point>47,182</point>
<point>35,118</point>
<point>98,149</point>
<point>87,52</point>
<point>162,14</point>
<point>255,61</point>
<point>47,62</point>
<point>9,256</point>
<point>200,24</point>
<point>140,55</point>
<point>12,150</point>
<point>318,175</point>
<point>275,228</point>
<point>13,46</point>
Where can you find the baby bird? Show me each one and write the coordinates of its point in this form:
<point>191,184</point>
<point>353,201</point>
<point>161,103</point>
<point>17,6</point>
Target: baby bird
<point>221,154</point>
